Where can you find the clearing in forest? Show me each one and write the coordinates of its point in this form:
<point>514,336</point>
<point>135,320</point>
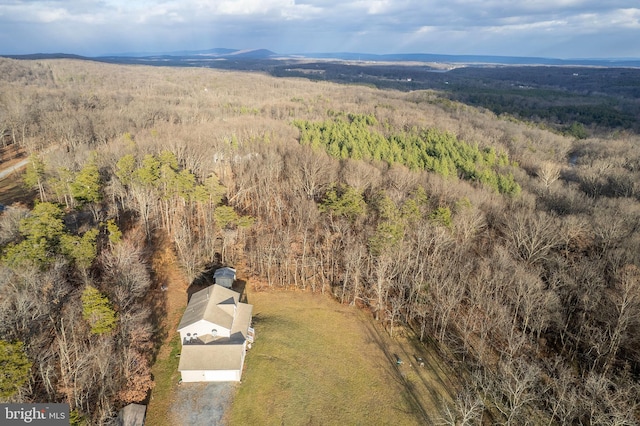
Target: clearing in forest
<point>318,362</point>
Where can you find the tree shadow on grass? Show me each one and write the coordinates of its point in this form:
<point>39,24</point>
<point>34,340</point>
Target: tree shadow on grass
<point>431,370</point>
<point>393,370</point>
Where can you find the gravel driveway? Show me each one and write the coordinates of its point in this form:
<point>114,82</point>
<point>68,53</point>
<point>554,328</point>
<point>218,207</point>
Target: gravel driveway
<point>203,404</point>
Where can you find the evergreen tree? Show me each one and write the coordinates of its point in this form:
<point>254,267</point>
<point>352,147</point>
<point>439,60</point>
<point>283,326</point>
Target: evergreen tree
<point>125,168</point>
<point>442,216</point>
<point>344,200</point>
<point>41,231</point>
<point>14,369</point>
<point>34,176</point>
<point>97,311</point>
<point>82,250</point>
<point>115,234</point>
<point>86,185</point>
<point>148,174</point>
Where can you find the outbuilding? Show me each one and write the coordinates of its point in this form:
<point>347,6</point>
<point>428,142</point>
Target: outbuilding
<point>225,276</point>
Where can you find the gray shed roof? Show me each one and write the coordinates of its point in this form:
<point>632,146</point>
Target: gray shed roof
<point>225,272</point>
<point>132,415</point>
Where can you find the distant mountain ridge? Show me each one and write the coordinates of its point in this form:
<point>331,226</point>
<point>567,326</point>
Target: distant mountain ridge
<point>218,52</point>
<point>224,53</point>
<point>471,59</point>
<point>265,54</point>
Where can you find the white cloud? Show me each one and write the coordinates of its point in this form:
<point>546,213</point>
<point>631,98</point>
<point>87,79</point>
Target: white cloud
<point>379,7</point>
<point>559,27</point>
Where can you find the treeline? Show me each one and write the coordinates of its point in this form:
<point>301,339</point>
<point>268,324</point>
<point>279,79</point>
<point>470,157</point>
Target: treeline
<point>553,108</point>
<point>98,325</point>
<point>601,99</point>
<point>533,295</point>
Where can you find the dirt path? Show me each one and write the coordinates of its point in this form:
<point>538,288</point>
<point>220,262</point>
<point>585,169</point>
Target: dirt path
<point>170,305</point>
<point>7,170</point>
<point>168,273</point>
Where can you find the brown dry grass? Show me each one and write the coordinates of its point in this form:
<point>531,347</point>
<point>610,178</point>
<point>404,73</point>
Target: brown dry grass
<point>318,362</point>
<point>11,188</point>
<point>165,369</point>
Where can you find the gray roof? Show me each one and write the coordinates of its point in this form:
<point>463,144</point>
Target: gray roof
<point>225,272</point>
<point>214,304</point>
<point>242,322</point>
<point>217,305</point>
<point>211,357</point>
<point>132,415</point>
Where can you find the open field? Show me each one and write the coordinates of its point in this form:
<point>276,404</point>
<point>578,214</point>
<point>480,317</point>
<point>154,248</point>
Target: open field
<point>318,362</point>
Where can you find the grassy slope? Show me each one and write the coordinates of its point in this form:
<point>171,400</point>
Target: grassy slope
<point>165,369</point>
<point>317,362</point>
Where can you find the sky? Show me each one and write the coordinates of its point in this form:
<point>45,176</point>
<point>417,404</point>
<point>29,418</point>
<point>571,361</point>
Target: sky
<point>541,28</point>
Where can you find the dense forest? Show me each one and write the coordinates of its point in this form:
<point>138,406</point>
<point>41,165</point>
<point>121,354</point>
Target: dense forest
<point>515,248</point>
<point>595,99</point>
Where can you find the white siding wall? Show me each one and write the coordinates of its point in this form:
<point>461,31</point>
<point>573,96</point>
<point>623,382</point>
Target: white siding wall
<point>203,327</point>
<point>222,376</point>
<point>192,376</point>
<point>211,376</point>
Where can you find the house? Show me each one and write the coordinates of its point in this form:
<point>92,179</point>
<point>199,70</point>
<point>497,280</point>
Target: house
<point>215,333</point>
<point>224,276</point>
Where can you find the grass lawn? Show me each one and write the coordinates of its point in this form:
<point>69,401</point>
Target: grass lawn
<point>318,362</point>
<point>166,377</point>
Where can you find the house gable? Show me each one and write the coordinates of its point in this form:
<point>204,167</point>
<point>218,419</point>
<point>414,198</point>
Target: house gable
<point>214,304</point>
<point>201,329</point>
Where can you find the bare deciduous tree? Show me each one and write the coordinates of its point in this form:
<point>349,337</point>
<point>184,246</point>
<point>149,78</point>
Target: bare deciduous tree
<point>548,173</point>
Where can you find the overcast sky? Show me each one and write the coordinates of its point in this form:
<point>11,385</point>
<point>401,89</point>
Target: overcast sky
<point>548,28</point>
